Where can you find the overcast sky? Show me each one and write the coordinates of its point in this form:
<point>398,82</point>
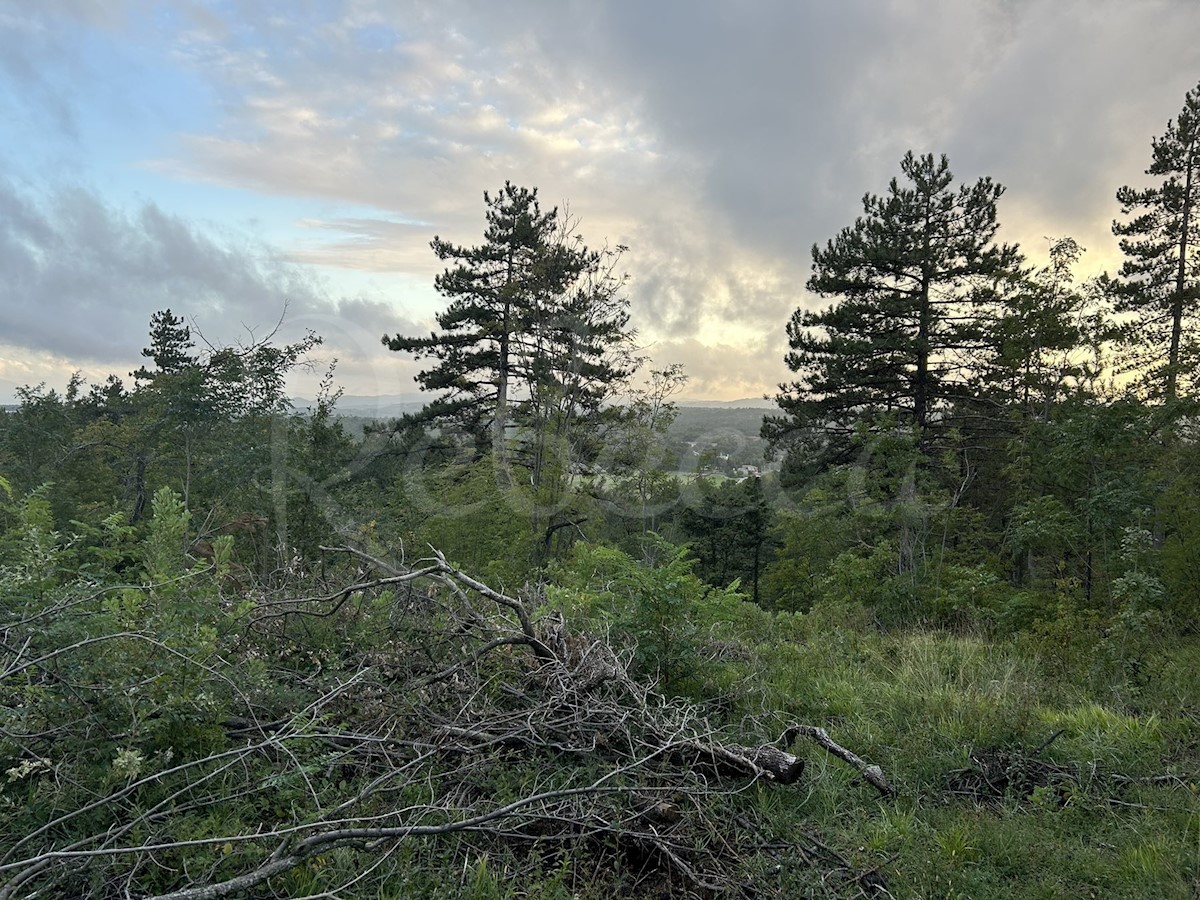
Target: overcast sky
<point>226,158</point>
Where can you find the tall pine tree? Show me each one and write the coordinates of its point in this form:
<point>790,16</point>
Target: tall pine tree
<point>1160,279</point>
<point>1045,340</point>
<point>534,337</point>
<point>491,289</point>
<point>908,279</point>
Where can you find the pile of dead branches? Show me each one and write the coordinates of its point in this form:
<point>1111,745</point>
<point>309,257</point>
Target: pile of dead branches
<point>996,774</point>
<point>472,714</point>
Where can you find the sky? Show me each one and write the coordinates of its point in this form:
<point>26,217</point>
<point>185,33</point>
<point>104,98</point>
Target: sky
<point>246,161</point>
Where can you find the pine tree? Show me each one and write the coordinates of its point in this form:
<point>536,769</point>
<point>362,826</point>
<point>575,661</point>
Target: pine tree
<point>1045,339</point>
<point>533,332</point>
<point>909,278</point>
<point>170,346</point>
<point>1160,279</point>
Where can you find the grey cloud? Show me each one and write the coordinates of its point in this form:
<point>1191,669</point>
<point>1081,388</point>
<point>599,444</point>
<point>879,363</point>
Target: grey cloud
<point>794,110</point>
<point>420,129</point>
<point>26,46</point>
<point>51,81</point>
<point>82,279</point>
<point>375,245</point>
<point>725,370</point>
<point>1074,99</point>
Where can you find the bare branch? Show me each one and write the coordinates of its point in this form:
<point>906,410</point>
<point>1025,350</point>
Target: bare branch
<point>871,773</point>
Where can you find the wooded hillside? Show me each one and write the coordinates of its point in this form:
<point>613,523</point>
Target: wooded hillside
<point>552,636</point>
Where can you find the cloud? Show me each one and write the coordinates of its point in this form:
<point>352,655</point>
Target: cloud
<point>722,371</point>
<point>368,244</point>
<point>82,278</point>
<point>64,67</point>
<point>760,125</point>
<point>29,93</point>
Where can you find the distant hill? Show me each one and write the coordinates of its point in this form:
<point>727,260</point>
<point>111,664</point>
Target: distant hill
<point>389,406</point>
<point>385,406</point>
<point>726,434</point>
<point>698,422</point>
<point>744,403</point>
<point>729,428</point>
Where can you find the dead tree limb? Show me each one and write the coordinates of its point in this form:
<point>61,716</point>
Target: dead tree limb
<point>820,736</point>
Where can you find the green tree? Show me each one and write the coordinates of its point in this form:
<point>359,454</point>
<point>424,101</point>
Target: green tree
<point>637,462</point>
<point>170,346</point>
<point>1160,279</point>
<point>489,288</point>
<point>204,421</point>
<point>575,355</point>
<point>211,424</point>
<point>311,469</point>
<point>529,328</point>
<point>657,603</point>
<point>1047,337</point>
<point>727,527</point>
<point>1076,483</point>
<point>533,342</point>
<point>37,436</point>
<point>910,278</point>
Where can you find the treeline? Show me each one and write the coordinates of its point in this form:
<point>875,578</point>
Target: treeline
<point>973,440</point>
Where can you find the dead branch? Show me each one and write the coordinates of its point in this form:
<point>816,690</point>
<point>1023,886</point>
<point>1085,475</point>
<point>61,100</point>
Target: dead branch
<point>365,557</point>
<point>820,736</point>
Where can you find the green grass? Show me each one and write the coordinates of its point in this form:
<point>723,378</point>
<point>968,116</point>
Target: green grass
<point>1066,732</point>
<point>919,703</point>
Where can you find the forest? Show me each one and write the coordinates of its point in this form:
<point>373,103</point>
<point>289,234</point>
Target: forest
<point>530,642</point>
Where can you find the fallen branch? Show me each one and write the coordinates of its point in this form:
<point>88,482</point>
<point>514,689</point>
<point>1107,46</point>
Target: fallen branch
<point>872,774</point>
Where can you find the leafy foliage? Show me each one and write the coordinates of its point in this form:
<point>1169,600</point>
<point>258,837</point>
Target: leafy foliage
<point>229,663</point>
<point>728,526</point>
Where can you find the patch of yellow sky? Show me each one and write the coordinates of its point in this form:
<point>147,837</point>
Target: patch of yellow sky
<point>1031,225</point>
<point>23,367</point>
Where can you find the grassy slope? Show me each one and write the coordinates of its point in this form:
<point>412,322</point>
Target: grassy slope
<point>920,704</point>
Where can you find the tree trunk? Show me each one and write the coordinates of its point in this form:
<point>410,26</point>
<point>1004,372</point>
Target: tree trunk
<point>500,423</point>
<point>139,491</point>
<point>1180,280</point>
<point>921,387</point>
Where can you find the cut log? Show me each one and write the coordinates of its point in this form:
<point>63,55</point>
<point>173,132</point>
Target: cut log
<point>782,767</point>
<point>731,759</point>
